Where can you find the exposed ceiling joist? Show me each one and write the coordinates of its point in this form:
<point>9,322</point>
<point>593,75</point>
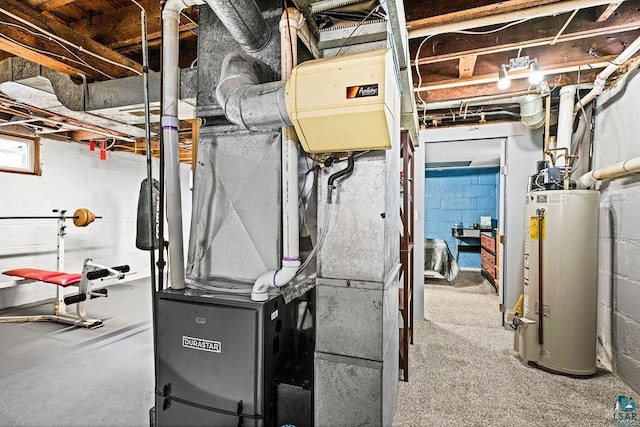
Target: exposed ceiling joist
<point>607,11</point>
<point>540,32</point>
<point>493,77</point>
<point>26,33</point>
<point>54,4</point>
<point>519,85</point>
<point>467,65</point>
<point>120,28</point>
<point>498,13</point>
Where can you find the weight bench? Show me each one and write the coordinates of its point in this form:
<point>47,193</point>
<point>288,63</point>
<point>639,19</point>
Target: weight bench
<point>84,282</point>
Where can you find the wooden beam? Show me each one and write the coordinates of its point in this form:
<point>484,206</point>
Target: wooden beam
<point>499,13</point>
<point>119,29</point>
<point>40,58</point>
<point>100,59</point>
<point>466,66</point>
<point>54,4</point>
<point>607,11</point>
<point>550,59</point>
<point>539,32</point>
<point>488,89</point>
<point>5,55</point>
<point>477,12</point>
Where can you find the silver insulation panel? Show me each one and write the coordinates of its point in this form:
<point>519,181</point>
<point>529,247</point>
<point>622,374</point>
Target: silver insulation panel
<point>235,224</point>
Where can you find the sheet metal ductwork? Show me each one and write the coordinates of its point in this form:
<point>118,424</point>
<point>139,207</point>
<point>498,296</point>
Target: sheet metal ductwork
<point>531,108</point>
<point>244,22</point>
<point>113,104</point>
<point>248,93</point>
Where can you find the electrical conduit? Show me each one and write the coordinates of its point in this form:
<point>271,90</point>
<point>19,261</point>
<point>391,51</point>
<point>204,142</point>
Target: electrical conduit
<point>291,21</point>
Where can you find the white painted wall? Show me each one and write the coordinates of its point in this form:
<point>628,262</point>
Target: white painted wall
<point>73,177</point>
<point>616,133</point>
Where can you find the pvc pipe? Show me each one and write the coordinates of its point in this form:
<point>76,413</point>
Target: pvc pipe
<point>615,170</point>
<point>598,84</point>
<point>169,122</point>
<point>290,22</point>
<point>244,21</point>
<point>565,123</point>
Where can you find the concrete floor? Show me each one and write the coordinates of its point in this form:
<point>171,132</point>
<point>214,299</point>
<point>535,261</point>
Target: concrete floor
<point>57,375</point>
<point>463,371</point>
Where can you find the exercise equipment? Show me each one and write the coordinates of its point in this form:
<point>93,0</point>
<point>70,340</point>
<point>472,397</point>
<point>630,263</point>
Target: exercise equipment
<point>81,217</point>
<point>90,272</point>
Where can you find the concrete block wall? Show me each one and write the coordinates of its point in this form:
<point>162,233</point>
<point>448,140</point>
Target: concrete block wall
<point>463,196</point>
<point>73,177</point>
<point>616,132</point>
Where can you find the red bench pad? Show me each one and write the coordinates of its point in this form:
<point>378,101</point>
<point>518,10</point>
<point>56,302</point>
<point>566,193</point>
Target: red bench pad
<point>48,276</point>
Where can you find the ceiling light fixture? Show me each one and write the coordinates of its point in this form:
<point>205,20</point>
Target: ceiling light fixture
<point>519,63</point>
<point>503,78</point>
<point>536,75</point>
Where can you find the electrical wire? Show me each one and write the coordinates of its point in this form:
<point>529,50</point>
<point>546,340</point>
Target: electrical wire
<point>417,57</point>
<point>321,238</point>
<point>60,39</point>
<point>190,20</point>
<point>52,54</point>
<point>359,24</point>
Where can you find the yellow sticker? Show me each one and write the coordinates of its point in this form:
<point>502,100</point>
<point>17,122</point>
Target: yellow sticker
<point>533,229</point>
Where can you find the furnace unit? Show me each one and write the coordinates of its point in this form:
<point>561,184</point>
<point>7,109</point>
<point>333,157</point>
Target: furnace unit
<point>218,357</point>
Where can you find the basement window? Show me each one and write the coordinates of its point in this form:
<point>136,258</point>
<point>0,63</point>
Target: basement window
<point>19,154</point>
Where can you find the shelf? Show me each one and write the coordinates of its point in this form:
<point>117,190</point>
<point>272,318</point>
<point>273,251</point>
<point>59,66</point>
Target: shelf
<point>405,294</point>
<point>489,257</point>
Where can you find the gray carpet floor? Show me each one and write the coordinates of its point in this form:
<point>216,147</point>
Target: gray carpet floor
<point>464,372</point>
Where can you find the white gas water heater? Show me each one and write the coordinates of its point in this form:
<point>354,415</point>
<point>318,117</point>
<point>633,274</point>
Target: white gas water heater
<point>558,328</point>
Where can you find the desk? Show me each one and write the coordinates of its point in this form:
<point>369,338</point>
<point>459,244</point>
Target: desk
<point>471,236</point>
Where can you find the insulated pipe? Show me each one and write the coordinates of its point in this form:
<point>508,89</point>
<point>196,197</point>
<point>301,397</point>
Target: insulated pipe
<point>565,123</point>
<point>615,170</point>
<point>244,21</point>
<point>290,22</point>
<point>169,122</point>
<point>598,84</point>
<point>531,109</point>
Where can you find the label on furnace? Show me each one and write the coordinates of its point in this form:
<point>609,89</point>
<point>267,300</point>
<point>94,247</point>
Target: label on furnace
<point>362,91</point>
<point>201,344</point>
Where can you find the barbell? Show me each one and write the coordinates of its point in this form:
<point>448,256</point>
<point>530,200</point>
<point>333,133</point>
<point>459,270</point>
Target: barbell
<point>81,217</point>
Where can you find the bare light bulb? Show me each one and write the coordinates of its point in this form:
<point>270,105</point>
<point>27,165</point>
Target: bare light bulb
<point>503,79</point>
<point>536,75</point>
